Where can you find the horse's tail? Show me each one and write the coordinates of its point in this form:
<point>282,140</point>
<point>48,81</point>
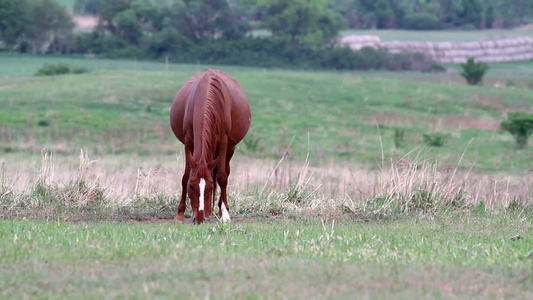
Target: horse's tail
<point>213,110</point>
<point>215,94</point>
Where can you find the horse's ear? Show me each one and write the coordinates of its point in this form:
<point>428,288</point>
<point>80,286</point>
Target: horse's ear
<point>190,159</point>
<point>212,165</point>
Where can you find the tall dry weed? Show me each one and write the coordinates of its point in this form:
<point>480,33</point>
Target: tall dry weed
<point>264,187</point>
<point>46,172</point>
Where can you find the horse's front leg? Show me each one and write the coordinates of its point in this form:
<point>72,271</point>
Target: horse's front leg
<point>222,179</point>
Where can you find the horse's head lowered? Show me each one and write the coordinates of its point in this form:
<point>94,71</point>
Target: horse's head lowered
<point>200,186</point>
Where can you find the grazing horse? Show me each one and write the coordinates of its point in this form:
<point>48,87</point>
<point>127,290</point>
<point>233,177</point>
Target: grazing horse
<point>209,115</point>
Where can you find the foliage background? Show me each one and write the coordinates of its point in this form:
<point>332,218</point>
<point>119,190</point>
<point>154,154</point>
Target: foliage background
<point>299,33</point>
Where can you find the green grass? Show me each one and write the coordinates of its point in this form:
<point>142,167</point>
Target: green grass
<point>441,35</point>
<point>374,248</point>
<point>435,257</point>
<point>127,110</point>
<point>16,66</point>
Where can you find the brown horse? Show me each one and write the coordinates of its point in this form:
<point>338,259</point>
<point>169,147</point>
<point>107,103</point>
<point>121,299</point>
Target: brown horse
<point>209,115</point>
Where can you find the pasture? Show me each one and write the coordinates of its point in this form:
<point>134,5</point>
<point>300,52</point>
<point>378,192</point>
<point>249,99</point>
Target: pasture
<point>466,257</point>
<point>327,200</point>
<point>443,35</point>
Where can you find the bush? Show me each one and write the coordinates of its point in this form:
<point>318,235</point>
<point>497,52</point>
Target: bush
<point>261,52</point>
<point>79,70</point>
<point>105,44</point>
<point>129,51</point>
<point>343,58</point>
<point>371,58</point>
<point>399,137</point>
<point>165,41</point>
<point>436,139</point>
<point>520,125</point>
<point>473,71</point>
<point>51,70</point>
<point>422,21</point>
<point>254,52</point>
<point>59,69</point>
<point>43,122</point>
<point>85,42</point>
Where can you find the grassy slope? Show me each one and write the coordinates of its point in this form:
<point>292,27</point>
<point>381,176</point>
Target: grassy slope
<point>128,111</point>
<point>441,35</point>
<point>446,256</point>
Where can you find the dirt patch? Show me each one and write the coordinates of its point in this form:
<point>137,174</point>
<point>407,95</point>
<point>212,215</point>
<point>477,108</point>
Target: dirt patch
<point>159,220</point>
<point>392,119</point>
<point>454,121</point>
<point>498,104</point>
<point>471,122</point>
<point>3,87</point>
<point>494,103</point>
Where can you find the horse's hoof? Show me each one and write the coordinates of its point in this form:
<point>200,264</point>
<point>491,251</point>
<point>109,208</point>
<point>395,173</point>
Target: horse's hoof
<point>180,219</point>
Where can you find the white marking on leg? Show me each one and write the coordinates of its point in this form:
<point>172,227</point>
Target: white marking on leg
<point>202,191</point>
<point>225,213</point>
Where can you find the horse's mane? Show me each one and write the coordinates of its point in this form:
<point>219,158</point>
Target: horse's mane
<point>213,114</point>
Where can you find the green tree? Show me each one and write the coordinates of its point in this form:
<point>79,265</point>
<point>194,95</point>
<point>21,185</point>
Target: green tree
<point>108,11</point>
<point>301,22</point>
<point>200,20</point>
<point>384,14</point>
<point>371,13</point>
<point>87,7</point>
<point>129,20</point>
<point>447,13</point>
<point>422,21</point>
<point>48,20</point>
<point>167,40</point>
<point>127,27</point>
<point>13,20</point>
<point>520,125</point>
<point>472,13</point>
<point>489,16</point>
<point>473,71</point>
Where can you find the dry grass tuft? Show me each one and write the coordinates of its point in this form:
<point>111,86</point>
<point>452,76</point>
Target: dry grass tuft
<point>410,184</point>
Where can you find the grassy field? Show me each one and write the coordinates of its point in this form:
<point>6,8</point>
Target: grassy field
<point>441,35</point>
<point>22,66</point>
<point>16,66</point>
<point>460,257</point>
<point>119,111</point>
<point>365,216</point>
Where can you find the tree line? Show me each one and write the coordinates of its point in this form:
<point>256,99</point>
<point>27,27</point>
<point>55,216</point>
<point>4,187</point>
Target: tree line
<point>434,14</point>
<point>249,32</point>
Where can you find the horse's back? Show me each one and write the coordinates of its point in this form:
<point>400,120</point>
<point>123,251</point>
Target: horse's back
<point>240,115</point>
<point>235,103</point>
<point>179,106</point>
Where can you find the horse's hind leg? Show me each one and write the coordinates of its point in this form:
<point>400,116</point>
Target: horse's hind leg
<point>222,179</point>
